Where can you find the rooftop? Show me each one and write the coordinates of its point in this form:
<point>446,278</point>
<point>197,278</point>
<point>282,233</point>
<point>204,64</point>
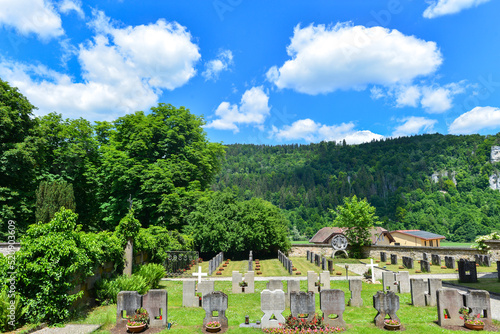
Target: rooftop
<point>421,234</point>
<point>323,235</point>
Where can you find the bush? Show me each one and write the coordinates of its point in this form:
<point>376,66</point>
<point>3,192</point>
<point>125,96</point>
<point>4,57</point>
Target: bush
<point>152,273</point>
<point>107,289</point>
<point>157,240</point>
<point>10,317</point>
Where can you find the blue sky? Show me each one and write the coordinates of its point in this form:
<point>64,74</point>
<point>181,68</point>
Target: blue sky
<point>263,72</point>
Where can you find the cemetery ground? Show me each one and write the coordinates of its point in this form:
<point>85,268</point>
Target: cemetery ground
<point>488,284</point>
<point>358,319</point>
<point>434,269</point>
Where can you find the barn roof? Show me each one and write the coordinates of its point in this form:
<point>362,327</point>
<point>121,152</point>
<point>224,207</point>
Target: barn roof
<point>325,234</point>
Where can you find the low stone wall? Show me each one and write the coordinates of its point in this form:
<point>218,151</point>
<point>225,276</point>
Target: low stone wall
<point>414,252</point>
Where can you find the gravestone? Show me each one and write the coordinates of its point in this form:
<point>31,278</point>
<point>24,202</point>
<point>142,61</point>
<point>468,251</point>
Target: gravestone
<point>425,266</point>
<point>312,257</point>
<point>215,306</point>
<point>388,281</point>
<point>478,259</point>
<point>486,260</point>
<point>449,302</point>
<point>250,280</point>
<point>394,259</point>
<point>210,267</point>
<point>498,270</point>
<point>407,262</point>
<point>436,260</point>
<point>312,279</point>
<point>189,298</point>
<point>404,282</point>
<point>332,302</point>
<point>128,257</point>
<point>156,303</point>
<point>425,256</point>
<point>308,255</point>
<point>324,280</point>
<point>330,266</point>
<point>385,304</point>
<point>318,259</point>
<point>479,303</point>
<point>467,272</point>
<point>274,284</point>
<point>292,286</point>
<point>323,263</point>
<point>355,286</point>
<point>127,302</point>
<point>383,257</point>
<point>272,303</point>
<point>205,287</point>
<point>449,262</point>
<point>418,291</point>
<point>434,284</point>
<point>236,279</point>
<point>303,303</point>
<point>250,264</point>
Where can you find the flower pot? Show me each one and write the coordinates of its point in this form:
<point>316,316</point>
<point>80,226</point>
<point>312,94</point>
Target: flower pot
<point>213,329</point>
<point>136,329</point>
<point>392,327</point>
<point>474,327</point>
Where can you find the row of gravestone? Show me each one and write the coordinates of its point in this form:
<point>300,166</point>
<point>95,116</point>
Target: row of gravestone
<point>286,262</point>
<point>320,261</point>
<point>214,263</point>
<point>435,259</point>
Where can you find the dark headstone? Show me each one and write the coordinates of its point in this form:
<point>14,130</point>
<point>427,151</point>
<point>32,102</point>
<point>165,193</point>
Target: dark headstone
<point>385,304</point>
<point>436,260</point>
<point>487,261</point>
<point>467,272</point>
<point>407,262</point>
<point>425,266</point>
<point>311,259</point>
<point>449,262</point>
<point>425,256</point>
<point>308,255</point>
<point>383,257</point>
<point>330,266</point>
<point>394,259</point>
<point>478,259</point>
<point>323,263</point>
<point>303,303</point>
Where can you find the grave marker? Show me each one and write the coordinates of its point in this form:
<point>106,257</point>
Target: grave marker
<point>479,303</point>
<point>434,284</point>
<point>449,262</point>
<point>189,298</point>
<point>467,272</point>
<point>324,280</point>
<point>274,284</point>
<point>436,260</point>
<point>372,267</point>
<point>407,262</point>
<point>330,265</point>
<point>418,291</point>
<point>449,302</point>
<point>127,302</point>
<point>303,303</point>
<point>312,279</point>
<point>272,303</point>
<point>250,280</point>
<point>199,274</point>
<point>385,304</point>
<point>292,286</point>
<point>215,306</point>
<point>237,277</point>
<point>388,281</point>
<point>404,282</point>
<point>155,302</point>
<point>383,257</point>
<point>425,266</point>
<point>394,259</point>
<point>332,302</point>
<point>355,286</point>
<point>206,287</point>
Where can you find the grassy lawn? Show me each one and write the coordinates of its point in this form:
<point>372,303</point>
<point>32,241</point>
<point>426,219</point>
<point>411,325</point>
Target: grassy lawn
<point>434,269</point>
<point>359,319</point>
<point>456,244</point>
<point>489,284</point>
<point>302,243</point>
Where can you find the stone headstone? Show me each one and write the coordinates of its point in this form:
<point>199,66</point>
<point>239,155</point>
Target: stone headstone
<point>236,279</point>
<point>324,280</point>
<point>487,261</point>
<point>383,257</point>
<point>215,306</point>
<point>388,281</point>
<point>250,280</point>
<point>312,278</point>
<point>272,303</point>
<point>323,263</point>
<point>425,266</point>
<point>355,286</point>
<point>425,256</point>
<point>436,260</point>
<point>478,259</point>
<point>449,262</point>
<point>189,298</point>
<point>394,259</point>
<point>308,255</point>
<point>156,303</point>
<point>479,303</point>
<point>404,282</point>
<point>407,262</point>
<point>330,266</point>
<point>206,287</point>
<point>434,284</point>
<point>311,259</point>
<point>332,302</point>
<point>418,291</point>
<point>292,286</point>
<point>449,302</point>
<point>317,260</point>
<point>127,302</point>
<point>385,304</point>
<point>303,303</point>
<point>274,284</point>
<point>128,257</point>
<point>467,272</point>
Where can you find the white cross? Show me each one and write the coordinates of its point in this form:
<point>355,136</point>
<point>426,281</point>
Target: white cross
<point>372,267</point>
<point>199,274</point>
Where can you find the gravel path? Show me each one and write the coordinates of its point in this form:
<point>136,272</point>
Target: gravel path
<point>69,329</point>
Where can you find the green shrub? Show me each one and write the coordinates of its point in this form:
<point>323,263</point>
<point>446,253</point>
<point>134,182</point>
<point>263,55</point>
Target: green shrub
<point>107,289</point>
<point>152,273</point>
<point>10,320</point>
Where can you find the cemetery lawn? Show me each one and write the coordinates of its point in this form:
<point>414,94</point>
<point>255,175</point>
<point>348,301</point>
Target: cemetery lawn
<point>456,244</point>
<point>303,266</point>
<point>488,284</point>
<point>359,319</point>
<point>434,269</point>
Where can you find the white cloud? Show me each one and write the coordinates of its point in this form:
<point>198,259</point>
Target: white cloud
<point>214,67</point>
<point>31,17</point>
<point>477,119</point>
<point>445,7</point>
<point>414,125</point>
<point>311,131</point>
<point>66,6</point>
<point>123,71</point>
<point>408,96</point>
<point>253,110</point>
<point>436,100</point>
<point>326,59</point>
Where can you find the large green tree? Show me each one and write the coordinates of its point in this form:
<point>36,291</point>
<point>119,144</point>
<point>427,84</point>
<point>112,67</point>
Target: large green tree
<point>51,196</point>
<point>358,217</point>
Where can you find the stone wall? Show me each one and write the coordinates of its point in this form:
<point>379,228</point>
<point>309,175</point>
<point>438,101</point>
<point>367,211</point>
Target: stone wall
<point>414,252</point>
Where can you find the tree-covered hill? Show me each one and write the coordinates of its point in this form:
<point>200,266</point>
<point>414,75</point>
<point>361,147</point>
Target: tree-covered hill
<point>438,183</point>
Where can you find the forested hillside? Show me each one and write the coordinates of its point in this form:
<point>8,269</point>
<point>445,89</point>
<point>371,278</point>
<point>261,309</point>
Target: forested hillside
<point>395,175</point>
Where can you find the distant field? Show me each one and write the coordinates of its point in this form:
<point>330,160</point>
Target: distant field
<point>456,244</point>
<point>301,242</point>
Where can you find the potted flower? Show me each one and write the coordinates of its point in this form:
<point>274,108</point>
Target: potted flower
<point>213,327</point>
<point>471,322</point>
<point>138,322</point>
<point>392,325</point>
